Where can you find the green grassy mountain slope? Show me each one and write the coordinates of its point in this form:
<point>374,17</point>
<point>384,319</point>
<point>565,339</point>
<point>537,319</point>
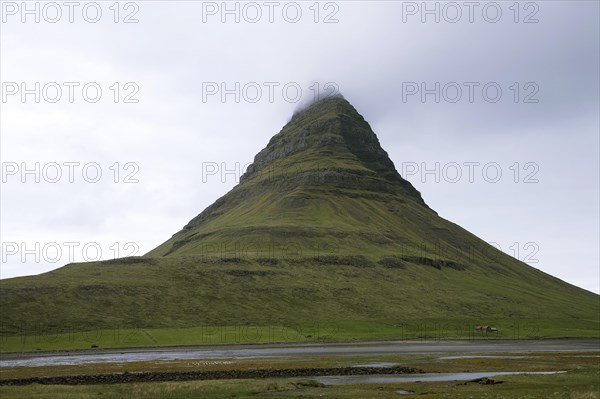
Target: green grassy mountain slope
<point>321,228</point>
<point>323,180</point>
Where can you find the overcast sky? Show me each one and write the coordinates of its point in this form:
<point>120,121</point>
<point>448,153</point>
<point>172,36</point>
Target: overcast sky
<point>511,142</point>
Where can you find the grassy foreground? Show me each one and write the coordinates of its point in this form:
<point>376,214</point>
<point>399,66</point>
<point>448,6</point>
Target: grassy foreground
<point>581,381</point>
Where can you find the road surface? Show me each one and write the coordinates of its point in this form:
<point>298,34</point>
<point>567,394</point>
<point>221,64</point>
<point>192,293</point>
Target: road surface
<point>297,350</point>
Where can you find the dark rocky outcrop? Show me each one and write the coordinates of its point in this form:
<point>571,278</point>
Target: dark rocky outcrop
<point>118,378</point>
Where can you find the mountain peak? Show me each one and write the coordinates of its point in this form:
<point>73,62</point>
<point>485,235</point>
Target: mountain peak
<point>335,103</point>
<point>331,133</point>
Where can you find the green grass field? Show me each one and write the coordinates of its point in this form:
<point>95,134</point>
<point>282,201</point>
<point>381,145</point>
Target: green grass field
<point>52,340</point>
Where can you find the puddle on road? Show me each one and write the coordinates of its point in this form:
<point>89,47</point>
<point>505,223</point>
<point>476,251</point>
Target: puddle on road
<point>382,379</point>
<point>380,364</point>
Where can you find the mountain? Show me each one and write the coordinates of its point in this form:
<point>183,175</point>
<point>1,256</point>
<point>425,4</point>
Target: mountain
<point>324,180</point>
<point>321,228</point>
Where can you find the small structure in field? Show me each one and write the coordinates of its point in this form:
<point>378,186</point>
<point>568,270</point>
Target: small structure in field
<point>486,329</point>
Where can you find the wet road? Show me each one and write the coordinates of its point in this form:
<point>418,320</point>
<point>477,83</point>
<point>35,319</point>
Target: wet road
<point>297,350</point>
